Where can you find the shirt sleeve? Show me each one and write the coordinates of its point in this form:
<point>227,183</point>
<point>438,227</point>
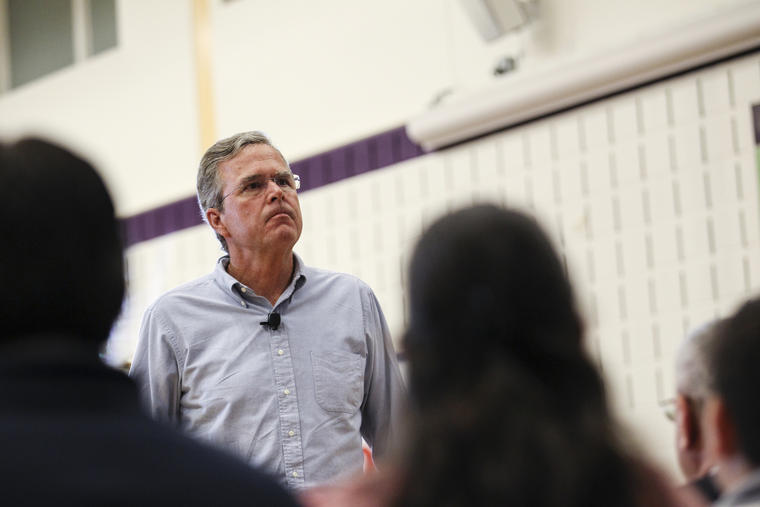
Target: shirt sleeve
<point>385,392</point>
<point>155,369</point>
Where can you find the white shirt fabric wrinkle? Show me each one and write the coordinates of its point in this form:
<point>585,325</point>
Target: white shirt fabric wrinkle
<point>295,400</point>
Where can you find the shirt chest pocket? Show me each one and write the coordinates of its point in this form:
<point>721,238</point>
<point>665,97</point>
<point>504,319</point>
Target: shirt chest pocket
<point>338,380</point>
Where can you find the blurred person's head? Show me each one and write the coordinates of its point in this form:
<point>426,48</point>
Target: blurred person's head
<point>61,261</point>
<point>733,410</point>
<point>487,291</point>
<point>507,408</point>
<point>209,181</point>
<point>694,380</point>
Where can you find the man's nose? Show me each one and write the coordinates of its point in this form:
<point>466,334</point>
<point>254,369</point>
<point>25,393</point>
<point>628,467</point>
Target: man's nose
<point>274,191</point>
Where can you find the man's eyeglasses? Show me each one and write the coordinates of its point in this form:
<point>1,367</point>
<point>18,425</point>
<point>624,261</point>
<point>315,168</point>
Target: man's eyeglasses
<point>668,408</point>
<point>254,186</point>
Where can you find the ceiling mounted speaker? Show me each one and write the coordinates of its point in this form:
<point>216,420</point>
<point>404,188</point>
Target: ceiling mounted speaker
<point>494,18</point>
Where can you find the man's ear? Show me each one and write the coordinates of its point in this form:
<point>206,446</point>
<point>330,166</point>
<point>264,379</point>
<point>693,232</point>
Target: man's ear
<point>727,443</point>
<point>214,218</point>
<point>686,424</point>
<point>721,434</point>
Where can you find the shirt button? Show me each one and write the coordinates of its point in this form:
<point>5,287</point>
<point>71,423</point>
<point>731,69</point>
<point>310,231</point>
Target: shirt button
<point>243,290</point>
<point>280,352</point>
<point>242,303</point>
<point>291,433</point>
<point>286,391</point>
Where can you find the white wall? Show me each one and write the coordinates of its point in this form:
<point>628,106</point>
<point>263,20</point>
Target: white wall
<point>313,75</point>
<point>130,109</point>
<point>319,74</point>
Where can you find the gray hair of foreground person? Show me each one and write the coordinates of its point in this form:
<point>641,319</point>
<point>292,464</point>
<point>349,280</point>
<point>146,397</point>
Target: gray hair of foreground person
<point>693,375</point>
<point>208,183</point>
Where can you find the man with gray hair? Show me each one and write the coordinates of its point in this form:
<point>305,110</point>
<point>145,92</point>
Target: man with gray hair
<point>694,379</point>
<point>286,365</point>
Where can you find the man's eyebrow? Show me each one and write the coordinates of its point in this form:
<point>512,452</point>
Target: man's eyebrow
<point>250,179</point>
<point>258,177</point>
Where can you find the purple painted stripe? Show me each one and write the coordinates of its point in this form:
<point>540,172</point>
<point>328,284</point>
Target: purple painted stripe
<point>368,154</point>
<point>381,150</point>
<point>159,221</point>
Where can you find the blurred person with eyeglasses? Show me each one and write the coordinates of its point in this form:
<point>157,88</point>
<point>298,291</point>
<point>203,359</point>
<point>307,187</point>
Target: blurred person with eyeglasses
<point>285,365</point>
<point>694,377</point>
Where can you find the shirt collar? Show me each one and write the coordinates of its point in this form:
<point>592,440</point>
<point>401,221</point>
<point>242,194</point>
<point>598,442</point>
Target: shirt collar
<point>235,288</point>
<point>748,489</point>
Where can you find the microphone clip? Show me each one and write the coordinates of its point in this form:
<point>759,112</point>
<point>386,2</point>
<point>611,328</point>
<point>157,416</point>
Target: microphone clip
<point>272,322</point>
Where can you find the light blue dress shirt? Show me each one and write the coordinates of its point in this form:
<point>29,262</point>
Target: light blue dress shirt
<point>296,400</point>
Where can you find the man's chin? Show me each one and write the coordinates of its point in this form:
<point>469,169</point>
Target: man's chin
<point>284,232</point>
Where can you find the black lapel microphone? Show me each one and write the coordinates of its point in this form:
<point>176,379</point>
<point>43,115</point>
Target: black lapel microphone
<point>272,322</point>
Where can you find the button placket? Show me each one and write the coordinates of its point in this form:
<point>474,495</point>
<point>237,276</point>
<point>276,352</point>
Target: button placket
<point>289,416</point>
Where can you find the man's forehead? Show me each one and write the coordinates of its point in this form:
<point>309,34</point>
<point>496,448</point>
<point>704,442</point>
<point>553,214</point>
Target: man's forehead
<point>258,151</point>
<point>254,159</point>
